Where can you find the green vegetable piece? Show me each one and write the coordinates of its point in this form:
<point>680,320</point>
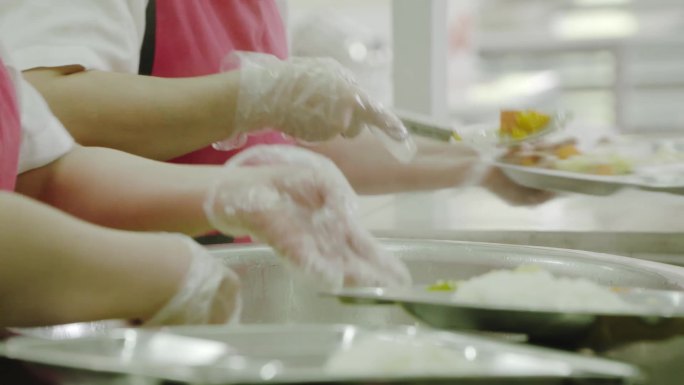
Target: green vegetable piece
<point>443,285</point>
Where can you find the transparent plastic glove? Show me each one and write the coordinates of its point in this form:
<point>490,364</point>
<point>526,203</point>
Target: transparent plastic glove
<point>300,204</point>
<point>310,99</point>
<point>209,293</point>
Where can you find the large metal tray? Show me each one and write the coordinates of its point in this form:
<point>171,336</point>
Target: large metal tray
<point>272,293</point>
<point>657,315</point>
<point>298,354</point>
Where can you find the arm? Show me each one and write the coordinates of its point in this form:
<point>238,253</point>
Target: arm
<point>371,170</point>
<point>78,271</point>
<point>293,200</point>
<point>152,117</point>
<point>114,189</point>
<point>161,118</point>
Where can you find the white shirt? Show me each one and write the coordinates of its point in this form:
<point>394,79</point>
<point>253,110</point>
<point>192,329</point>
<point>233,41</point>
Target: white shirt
<point>101,35</point>
<point>43,138</point>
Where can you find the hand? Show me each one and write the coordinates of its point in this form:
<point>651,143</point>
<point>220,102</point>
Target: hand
<point>312,99</point>
<point>514,194</point>
<point>209,293</point>
<point>300,203</point>
<point>481,172</point>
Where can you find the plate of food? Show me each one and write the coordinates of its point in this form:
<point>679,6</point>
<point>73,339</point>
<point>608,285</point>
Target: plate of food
<point>599,169</point>
<point>560,311</point>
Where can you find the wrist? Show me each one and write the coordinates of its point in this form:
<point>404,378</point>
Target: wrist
<point>225,90</point>
<point>167,275</point>
<point>207,293</point>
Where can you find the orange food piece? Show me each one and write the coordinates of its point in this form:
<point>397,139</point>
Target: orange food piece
<point>566,151</point>
<point>530,160</point>
<point>507,121</point>
<point>603,169</point>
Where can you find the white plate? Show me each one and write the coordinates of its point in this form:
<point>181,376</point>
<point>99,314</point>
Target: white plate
<point>658,166</point>
<point>558,180</point>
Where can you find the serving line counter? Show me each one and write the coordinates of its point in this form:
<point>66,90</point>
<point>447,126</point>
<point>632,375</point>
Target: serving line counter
<point>274,294</point>
<point>632,223</point>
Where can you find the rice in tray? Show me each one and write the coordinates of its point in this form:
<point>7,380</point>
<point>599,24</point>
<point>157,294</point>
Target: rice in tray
<point>531,287</point>
<point>393,355</point>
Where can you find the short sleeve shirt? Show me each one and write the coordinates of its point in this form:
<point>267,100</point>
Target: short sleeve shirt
<point>192,38</point>
<point>43,138</point>
<point>97,34</point>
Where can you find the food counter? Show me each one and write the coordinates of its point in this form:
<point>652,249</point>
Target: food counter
<point>630,222</point>
<point>275,297</point>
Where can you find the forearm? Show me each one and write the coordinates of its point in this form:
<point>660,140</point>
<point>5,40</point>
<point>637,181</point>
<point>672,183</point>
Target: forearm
<point>57,269</point>
<point>115,189</point>
<point>129,112</point>
<point>372,170</point>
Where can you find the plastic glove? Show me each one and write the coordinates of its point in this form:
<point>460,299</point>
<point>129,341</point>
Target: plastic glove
<point>208,294</point>
<point>311,99</point>
<point>300,203</point>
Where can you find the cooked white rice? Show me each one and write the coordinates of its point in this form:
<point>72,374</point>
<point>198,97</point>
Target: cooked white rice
<point>537,288</point>
<point>378,356</point>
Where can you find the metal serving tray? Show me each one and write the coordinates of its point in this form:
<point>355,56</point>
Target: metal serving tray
<point>272,293</point>
<point>659,315</point>
<point>297,354</point>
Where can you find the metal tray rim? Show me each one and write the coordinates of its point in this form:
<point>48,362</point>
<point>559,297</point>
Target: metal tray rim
<point>23,348</point>
<point>380,297</point>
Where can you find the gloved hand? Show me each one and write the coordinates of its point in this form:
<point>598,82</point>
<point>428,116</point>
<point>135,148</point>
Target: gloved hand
<point>300,204</point>
<point>311,99</point>
<point>209,293</point>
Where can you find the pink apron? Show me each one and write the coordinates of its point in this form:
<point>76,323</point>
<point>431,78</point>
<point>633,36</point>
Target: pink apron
<point>10,131</point>
<point>193,37</point>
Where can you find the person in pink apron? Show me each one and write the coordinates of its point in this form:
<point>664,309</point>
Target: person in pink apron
<point>193,38</point>
<point>186,105</point>
<point>84,57</point>
<point>23,256</point>
<point>294,200</point>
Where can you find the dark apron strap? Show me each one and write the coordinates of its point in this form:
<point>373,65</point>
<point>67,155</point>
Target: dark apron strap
<point>149,39</point>
<point>214,239</point>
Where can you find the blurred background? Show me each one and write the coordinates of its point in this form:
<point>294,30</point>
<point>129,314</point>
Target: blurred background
<point>612,62</point>
<point>617,65</point>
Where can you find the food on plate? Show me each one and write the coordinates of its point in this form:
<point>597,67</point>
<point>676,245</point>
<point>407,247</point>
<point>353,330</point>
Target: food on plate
<point>598,164</point>
<point>566,156</point>
<point>565,151</point>
<point>397,355</point>
<point>539,153</point>
<point>521,124</point>
<point>532,287</point>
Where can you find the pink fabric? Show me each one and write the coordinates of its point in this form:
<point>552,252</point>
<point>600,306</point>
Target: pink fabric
<point>10,131</point>
<point>193,37</point>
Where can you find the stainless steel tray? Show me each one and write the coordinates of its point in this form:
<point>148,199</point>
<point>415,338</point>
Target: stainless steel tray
<point>557,180</point>
<point>297,354</point>
<point>659,315</point>
<point>273,294</point>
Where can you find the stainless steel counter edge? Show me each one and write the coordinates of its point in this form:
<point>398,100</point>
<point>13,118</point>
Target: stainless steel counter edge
<point>660,247</point>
